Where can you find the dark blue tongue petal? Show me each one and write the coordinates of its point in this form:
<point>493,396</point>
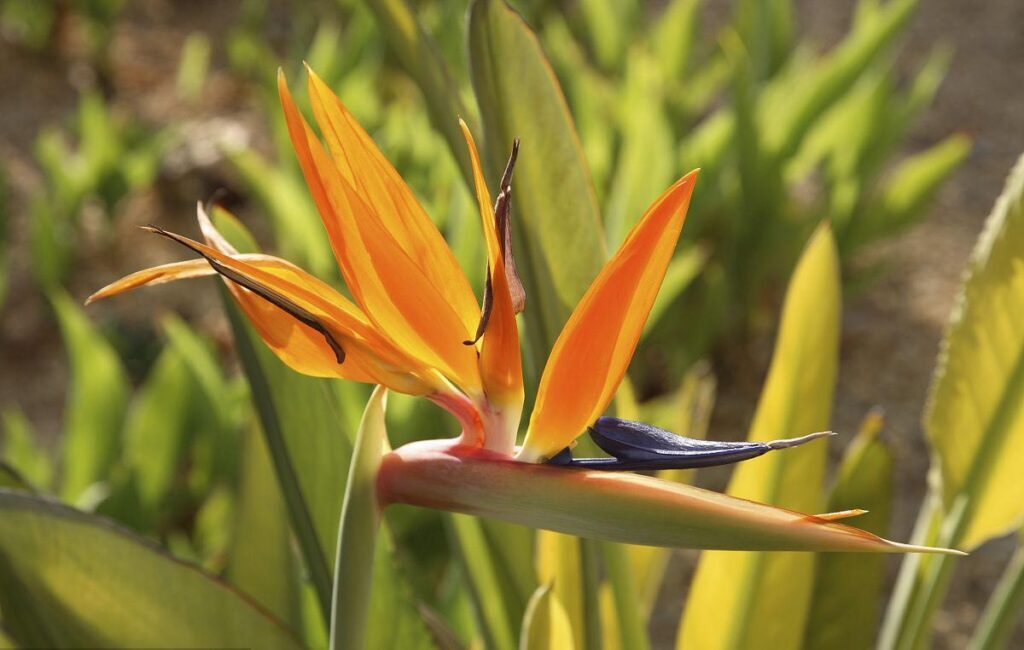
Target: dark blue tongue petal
<point>639,446</point>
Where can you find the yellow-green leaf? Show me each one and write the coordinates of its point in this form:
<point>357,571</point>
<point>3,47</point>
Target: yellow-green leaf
<point>748,600</point>
<point>848,587</point>
<point>546,625</point>
<point>559,566</point>
<point>975,413</point>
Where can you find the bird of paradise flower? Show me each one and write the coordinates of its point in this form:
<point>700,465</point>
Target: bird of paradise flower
<point>414,326</point>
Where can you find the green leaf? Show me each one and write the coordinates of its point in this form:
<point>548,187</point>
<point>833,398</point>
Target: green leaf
<point>68,579</point>
<point>746,599</point>
<point>298,416</point>
<point>558,239</point>
<point>646,162</point>
<point>360,522</point>
<point>910,191</point>
<point>193,66</point>
<point>419,55</point>
<point>11,478</point>
<point>974,417</point>
<point>609,26</point>
<point>673,39</point>
<point>370,606</point>
<point>546,625</point>
<point>492,610</point>
<point>22,451</point>
<point>560,566</point>
<point>792,110</point>
<point>96,402</point>
<point>157,428</point>
<point>261,562</point>
<point>848,587</point>
<point>630,610</point>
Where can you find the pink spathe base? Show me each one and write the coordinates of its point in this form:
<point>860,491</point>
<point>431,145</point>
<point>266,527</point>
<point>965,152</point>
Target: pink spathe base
<point>620,507</point>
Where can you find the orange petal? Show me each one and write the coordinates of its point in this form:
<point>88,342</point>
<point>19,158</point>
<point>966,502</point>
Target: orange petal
<point>593,351</point>
<point>500,361</point>
<point>368,357</point>
<point>398,294</point>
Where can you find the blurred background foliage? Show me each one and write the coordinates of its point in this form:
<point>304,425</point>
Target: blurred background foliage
<point>191,434</point>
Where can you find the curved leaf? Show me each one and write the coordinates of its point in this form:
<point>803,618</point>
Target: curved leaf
<point>975,413</point>
<point>68,579</point>
<point>546,625</point>
<point>748,599</point>
<point>97,398</point>
<point>848,587</point>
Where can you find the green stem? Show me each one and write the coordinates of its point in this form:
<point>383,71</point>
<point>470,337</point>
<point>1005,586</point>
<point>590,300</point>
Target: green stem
<point>357,535</point>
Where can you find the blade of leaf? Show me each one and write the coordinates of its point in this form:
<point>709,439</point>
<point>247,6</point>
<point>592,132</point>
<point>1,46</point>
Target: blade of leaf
<point>357,537</point>
<point>560,565</point>
<point>974,417</point>
<point>488,596</point>
<point>96,403</point>
<point>22,451</point>
<point>546,625</point>
<point>294,408</point>
<point>738,599</point>
<point>261,563</point>
<point>156,430</point>
<point>632,616</point>
<point>558,242</point>
<point>419,55</point>
<point>11,478</point>
<point>847,616</point>
<point>73,580</point>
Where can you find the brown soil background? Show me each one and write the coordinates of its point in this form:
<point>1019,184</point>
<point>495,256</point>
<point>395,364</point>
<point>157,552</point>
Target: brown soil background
<point>891,330</point>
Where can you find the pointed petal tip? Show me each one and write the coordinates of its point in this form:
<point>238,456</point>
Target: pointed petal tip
<point>786,443</point>
<point>914,548</point>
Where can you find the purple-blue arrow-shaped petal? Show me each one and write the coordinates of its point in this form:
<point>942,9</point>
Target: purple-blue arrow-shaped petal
<point>639,446</point>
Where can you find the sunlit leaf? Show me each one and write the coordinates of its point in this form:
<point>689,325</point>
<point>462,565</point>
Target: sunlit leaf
<point>848,587</point>
<point>748,599</point>
<point>545,625</point>
<point>975,412</point>
<point>560,565</point>
<point>73,580</point>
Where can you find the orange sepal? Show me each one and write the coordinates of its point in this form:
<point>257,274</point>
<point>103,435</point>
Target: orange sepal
<point>593,351</point>
<point>500,359</point>
<point>397,296</point>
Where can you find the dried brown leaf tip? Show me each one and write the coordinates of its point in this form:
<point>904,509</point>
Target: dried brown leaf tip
<point>503,226</point>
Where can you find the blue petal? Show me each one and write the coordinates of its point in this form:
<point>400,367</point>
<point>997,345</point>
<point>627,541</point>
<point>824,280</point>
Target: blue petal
<point>639,446</point>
